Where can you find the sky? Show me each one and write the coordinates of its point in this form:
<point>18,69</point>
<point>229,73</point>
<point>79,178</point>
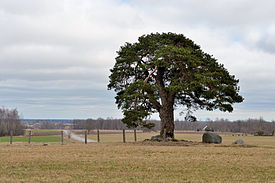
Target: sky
<point>55,56</point>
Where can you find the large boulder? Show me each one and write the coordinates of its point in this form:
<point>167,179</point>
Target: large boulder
<point>210,137</point>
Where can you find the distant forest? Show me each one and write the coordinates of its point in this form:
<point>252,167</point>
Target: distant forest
<point>251,126</point>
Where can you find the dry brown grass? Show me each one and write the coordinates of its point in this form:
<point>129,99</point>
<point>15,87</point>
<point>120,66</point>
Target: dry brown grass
<point>141,161</point>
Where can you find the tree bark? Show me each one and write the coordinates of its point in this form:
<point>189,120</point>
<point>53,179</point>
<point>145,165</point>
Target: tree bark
<point>166,115</point>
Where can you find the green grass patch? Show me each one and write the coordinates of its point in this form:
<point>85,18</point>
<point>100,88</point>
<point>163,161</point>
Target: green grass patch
<point>33,139</point>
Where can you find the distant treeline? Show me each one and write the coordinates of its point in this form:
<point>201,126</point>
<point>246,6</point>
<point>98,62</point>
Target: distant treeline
<point>241,126</point>
<point>10,122</point>
<point>107,124</point>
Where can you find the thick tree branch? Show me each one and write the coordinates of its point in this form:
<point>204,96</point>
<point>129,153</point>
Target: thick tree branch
<point>160,84</point>
<point>152,72</point>
<point>154,102</point>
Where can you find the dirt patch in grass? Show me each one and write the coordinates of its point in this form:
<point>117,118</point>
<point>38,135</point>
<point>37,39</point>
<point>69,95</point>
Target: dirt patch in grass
<point>193,143</point>
<point>238,145</point>
<point>169,143</point>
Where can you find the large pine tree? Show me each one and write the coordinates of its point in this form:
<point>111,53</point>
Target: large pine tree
<point>162,71</point>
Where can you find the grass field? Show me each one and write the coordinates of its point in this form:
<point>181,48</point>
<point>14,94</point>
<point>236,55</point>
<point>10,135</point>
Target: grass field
<point>33,139</point>
<point>141,161</point>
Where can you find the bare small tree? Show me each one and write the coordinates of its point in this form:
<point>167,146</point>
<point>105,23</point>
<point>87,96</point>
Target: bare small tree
<point>89,125</point>
<point>10,122</point>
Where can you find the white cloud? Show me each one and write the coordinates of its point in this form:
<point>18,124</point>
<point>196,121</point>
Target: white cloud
<point>63,50</point>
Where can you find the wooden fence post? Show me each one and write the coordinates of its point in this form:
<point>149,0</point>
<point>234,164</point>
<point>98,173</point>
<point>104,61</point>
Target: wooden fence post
<point>30,133</point>
<point>98,140</point>
<point>85,136</point>
<point>11,137</point>
<point>135,135</point>
<point>61,137</point>
<point>164,134</point>
<point>123,134</point>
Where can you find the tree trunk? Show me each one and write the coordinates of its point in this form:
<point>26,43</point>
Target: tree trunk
<point>166,111</point>
<point>166,115</point>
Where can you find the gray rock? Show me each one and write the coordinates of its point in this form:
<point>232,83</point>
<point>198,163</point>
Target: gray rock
<point>156,138</point>
<point>239,141</point>
<point>210,137</point>
<point>160,138</point>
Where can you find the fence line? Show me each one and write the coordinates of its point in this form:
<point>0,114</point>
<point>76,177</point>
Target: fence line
<point>123,134</point>
<point>135,135</point>
<point>61,137</point>
<point>11,137</point>
<point>30,134</point>
<point>111,136</point>
<point>98,140</point>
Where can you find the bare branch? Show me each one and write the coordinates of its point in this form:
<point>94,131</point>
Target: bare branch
<point>147,78</point>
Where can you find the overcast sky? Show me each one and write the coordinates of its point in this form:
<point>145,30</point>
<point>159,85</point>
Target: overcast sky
<point>55,55</point>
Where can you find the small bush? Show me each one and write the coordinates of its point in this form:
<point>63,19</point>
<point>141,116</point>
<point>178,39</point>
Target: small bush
<point>259,133</point>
